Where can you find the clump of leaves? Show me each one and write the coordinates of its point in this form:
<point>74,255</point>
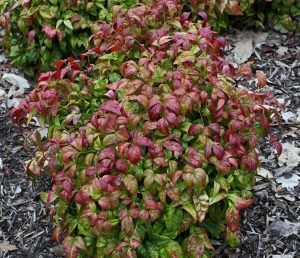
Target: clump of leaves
<point>151,146</point>
<point>279,14</point>
<point>41,32</point>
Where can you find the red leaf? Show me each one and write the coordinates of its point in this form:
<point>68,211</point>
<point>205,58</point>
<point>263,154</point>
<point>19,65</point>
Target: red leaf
<point>172,104</point>
<point>81,197</point>
<point>261,78</point>
<point>127,225</point>
<point>56,234</point>
<point>31,35</point>
<point>208,151</point>
<point>194,129</point>
<point>128,69</point>
<point>277,146</point>
<point>144,141</point>
<point>122,134</point>
<point>107,153</point>
<point>154,109</point>
<point>207,33</point>
<point>172,118</point>
<point>122,165</point>
<point>232,218</point>
<point>59,35</point>
<point>105,203</point>
<point>151,204</point>
<point>173,193</point>
<point>49,31</point>
<point>25,4</point>
<point>173,146</point>
<point>131,184</point>
<point>250,161</point>
<point>112,106</point>
<point>176,176</point>
<point>204,17</point>
<point>134,154</point>
<point>221,104</point>
<point>156,151</point>
<point>218,151</point>
<point>234,8</point>
<point>140,98</point>
<point>144,216</point>
<point>244,69</point>
<point>241,203</point>
<point>163,126</point>
<point>70,248</point>
<point>162,162</point>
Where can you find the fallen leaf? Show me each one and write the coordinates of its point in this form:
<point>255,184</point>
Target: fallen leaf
<point>283,256</point>
<point>286,196</point>
<point>16,80</point>
<point>261,78</point>
<point>289,116</point>
<point>2,93</point>
<point>264,173</point>
<point>289,183</point>
<point>283,228</point>
<point>242,51</point>
<point>6,247</point>
<point>3,59</point>
<point>281,51</point>
<point>289,157</point>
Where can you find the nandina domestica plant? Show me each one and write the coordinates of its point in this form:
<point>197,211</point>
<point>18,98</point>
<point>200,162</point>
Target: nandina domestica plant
<point>151,146</point>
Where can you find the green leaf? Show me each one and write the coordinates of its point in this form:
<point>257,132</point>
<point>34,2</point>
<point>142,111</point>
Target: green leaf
<point>58,23</point>
<point>44,196</point>
<point>172,218</point>
<point>185,56</point>
<point>189,207</point>
<point>158,75</point>
<point>48,12</point>
<point>73,224</point>
<point>216,198</point>
<point>68,24</point>
<point>148,251</point>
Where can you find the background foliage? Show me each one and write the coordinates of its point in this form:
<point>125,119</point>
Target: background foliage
<point>277,14</point>
<point>38,32</point>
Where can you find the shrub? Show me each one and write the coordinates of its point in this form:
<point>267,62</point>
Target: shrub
<point>280,14</point>
<point>38,32</point>
<point>151,146</point>
<point>42,31</point>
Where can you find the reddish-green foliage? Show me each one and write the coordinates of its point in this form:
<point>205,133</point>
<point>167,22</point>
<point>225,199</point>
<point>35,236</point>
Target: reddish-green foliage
<point>151,146</point>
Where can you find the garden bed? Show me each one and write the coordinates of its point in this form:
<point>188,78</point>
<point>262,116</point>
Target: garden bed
<point>25,228</point>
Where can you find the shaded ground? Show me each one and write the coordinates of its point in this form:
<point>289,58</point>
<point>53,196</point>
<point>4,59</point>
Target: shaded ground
<point>24,224</point>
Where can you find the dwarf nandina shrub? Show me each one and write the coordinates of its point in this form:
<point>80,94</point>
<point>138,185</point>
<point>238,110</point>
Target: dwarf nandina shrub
<point>151,146</point>
<point>38,32</point>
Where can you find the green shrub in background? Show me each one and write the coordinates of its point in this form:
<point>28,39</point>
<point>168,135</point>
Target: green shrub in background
<point>41,31</point>
<point>277,14</point>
